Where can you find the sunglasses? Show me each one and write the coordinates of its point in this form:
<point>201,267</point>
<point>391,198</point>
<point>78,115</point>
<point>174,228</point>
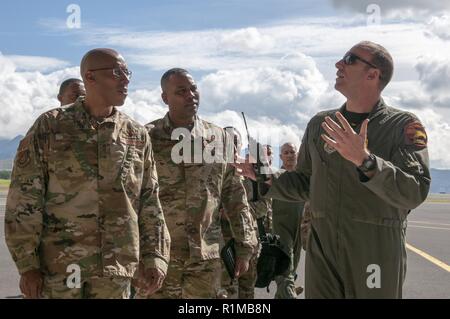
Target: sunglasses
<point>351,58</point>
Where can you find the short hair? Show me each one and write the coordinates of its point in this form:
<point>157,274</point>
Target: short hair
<point>380,58</point>
<point>287,144</point>
<point>169,73</point>
<point>66,84</point>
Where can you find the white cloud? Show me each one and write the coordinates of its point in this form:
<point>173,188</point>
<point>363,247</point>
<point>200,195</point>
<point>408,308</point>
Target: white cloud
<point>36,63</point>
<point>434,76</point>
<point>438,131</point>
<point>249,40</point>
<point>289,93</point>
<point>440,26</point>
<point>25,95</point>
<point>145,105</point>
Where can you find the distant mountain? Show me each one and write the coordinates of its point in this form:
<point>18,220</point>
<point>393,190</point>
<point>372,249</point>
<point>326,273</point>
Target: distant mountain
<point>8,148</point>
<point>440,181</point>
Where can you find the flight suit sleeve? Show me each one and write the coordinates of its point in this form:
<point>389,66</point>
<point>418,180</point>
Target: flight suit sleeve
<point>404,181</point>
<point>25,202</point>
<point>153,231</point>
<point>234,200</point>
<point>292,186</point>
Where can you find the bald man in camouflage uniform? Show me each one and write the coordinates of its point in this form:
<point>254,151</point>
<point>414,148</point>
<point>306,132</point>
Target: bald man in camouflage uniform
<point>83,207</point>
<point>192,188</point>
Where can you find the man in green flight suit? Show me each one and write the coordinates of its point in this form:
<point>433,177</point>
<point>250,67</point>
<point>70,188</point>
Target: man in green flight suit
<point>363,167</point>
<point>286,219</point>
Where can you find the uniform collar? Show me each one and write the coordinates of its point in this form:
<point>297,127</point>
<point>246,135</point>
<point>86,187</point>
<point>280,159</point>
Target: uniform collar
<point>377,110</point>
<point>83,117</point>
<point>198,130</point>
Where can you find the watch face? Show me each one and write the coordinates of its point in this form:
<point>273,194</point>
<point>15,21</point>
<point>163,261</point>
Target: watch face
<point>370,163</point>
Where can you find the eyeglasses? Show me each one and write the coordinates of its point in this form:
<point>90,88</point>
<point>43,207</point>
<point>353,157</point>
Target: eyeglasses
<point>117,72</point>
<point>350,58</point>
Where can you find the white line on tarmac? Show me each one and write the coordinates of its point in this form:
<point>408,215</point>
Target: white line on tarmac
<point>424,222</point>
<point>430,258</point>
<point>428,227</point>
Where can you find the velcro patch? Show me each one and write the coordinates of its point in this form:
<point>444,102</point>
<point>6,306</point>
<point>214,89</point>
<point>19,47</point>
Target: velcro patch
<point>415,134</point>
<point>23,158</point>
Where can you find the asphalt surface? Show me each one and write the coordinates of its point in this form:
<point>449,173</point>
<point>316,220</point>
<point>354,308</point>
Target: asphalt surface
<point>428,231</point>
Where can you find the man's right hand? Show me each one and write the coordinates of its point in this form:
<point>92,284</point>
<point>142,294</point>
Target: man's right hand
<point>244,168</point>
<point>31,283</point>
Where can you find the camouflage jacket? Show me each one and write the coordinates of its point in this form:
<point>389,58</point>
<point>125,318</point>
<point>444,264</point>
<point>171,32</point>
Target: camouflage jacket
<point>259,208</point>
<point>193,189</point>
<point>85,192</point>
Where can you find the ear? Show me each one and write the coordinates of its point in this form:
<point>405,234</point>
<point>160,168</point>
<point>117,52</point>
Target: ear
<point>89,77</point>
<point>373,74</point>
<point>164,98</point>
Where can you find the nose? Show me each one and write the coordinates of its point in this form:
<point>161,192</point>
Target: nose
<point>190,94</point>
<point>124,78</point>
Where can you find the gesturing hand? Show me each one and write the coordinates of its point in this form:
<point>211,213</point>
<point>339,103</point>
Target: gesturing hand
<point>345,140</point>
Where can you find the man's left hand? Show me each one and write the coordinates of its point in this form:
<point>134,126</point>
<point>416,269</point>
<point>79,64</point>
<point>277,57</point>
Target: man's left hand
<point>241,267</point>
<point>150,280</point>
<point>345,140</point>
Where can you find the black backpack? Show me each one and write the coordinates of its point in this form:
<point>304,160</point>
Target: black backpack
<point>272,261</point>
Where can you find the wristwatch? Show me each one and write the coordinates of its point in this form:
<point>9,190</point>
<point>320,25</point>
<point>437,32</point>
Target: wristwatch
<point>369,164</point>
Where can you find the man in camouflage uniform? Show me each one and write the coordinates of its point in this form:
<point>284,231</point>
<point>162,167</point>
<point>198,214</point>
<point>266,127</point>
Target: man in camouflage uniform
<point>260,208</point>
<point>195,179</point>
<point>83,208</point>
<point>363,167</point>
<point>286,221</point>
<point>70,90</point>
<point>242,287</point>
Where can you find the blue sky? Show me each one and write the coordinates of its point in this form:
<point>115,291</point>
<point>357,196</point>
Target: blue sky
<point>273,59</point>
<point>24,30</point>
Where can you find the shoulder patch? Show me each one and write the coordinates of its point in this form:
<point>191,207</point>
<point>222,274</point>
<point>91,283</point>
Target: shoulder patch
<point>414,134</point>
<point>23,158</point>
<point>24,143</point>
<point>23,152</point>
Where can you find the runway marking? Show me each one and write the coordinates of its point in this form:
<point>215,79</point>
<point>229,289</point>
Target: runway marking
<point>423,222</point>
<point>428,227</point>
<point>430,258</point>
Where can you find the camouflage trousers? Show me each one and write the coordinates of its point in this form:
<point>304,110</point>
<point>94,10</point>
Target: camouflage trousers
<point>55,287</point>
<point>191,280</point>
<point>242,287</point>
